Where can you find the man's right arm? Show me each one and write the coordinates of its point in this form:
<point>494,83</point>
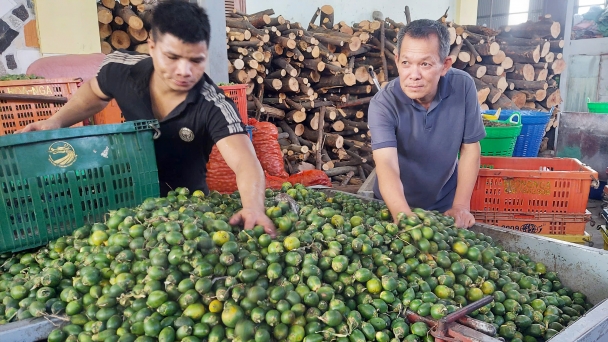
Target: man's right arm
<point>389,181</point>
<point>86,102</point>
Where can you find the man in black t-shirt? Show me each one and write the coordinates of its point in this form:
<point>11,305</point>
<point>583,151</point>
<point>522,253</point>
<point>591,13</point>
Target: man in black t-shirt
<point>170,85</point>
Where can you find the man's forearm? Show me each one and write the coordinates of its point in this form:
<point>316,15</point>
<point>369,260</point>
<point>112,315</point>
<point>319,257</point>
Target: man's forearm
<point>81,106</point>
<point>468,168</point>
<point>251,183</point>
<point>391,189</point>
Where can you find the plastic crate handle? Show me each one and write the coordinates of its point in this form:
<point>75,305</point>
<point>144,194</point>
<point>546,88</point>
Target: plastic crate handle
<point>523,216</point>
<point>156,131</point>
<point>513,117</point>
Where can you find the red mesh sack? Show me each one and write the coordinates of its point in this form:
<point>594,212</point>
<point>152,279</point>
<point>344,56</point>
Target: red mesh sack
<point>219,175</point>
<point>310,177</point>
<point>267,148</point>
<point>274,183</point>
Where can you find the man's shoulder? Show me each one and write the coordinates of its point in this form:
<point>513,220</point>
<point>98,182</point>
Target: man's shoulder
<point>124,58</point>
<point>458,77</point>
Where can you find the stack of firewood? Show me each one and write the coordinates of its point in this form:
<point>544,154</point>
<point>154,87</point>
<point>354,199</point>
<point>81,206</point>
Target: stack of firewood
<point>314,83</point>
<point>517,67</point>
<point>124,24</point>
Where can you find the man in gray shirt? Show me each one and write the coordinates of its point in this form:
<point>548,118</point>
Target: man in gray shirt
<point>420,122</point>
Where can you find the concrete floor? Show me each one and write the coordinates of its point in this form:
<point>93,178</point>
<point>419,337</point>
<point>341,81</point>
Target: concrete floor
<point>595,206</point>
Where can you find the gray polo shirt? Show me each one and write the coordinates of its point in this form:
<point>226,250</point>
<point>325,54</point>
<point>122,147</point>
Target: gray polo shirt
<point>427,142</point>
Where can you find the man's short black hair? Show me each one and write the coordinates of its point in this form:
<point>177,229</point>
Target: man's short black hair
<point>186,21</point>
<point>423,29</point>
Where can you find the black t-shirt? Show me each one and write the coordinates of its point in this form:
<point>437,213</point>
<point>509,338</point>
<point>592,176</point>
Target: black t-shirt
<point>187,134</point>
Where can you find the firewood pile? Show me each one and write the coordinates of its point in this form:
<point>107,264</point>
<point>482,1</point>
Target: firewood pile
<point>314,82</point>
<point>516,67</point>
<point>124,24</point>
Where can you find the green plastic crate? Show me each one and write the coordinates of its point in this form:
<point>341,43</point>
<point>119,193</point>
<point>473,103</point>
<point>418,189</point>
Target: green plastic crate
<point>500,141</point>
<point>53,182</point>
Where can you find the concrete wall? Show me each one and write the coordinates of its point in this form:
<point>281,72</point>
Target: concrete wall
<point>217,68</point>
<point>354,11</point>
<point>15,57</point>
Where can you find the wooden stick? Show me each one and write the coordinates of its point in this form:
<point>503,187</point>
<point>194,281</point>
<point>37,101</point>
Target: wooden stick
<point>408,18</point>
<point>320,137</point>
<point>340,170</point>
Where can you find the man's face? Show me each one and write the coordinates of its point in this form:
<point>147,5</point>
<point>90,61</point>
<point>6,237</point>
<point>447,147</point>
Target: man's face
<point>179,65</point>
<point>420,68</point>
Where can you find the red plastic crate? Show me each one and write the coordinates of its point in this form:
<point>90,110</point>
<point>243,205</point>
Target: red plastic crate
<point>238,93</point>
<point>532,185</point>
<point>15,115</point>
<point>536,223</point>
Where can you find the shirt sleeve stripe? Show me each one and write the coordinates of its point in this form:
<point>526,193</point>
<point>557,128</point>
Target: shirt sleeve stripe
<point>219,99</point>
<point>122,58</point>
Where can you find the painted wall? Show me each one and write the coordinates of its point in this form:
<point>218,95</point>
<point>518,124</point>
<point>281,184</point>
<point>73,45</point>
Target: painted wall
<point>15,57</point>
<point>217,68</point>
<point>352,11</point>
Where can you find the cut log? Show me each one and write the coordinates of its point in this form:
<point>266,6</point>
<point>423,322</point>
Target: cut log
<point>106,48</point>
<point>494,70</point>
<point>284,42</point>
<point>105,30</point>
<point>333,140</point>
<point>518,98</point>
<point>137,36</point>
<point>290,84</point>
<point>550,57</point>
<point>337,81</point>
<point>327,16</point>
<point>523,54</point>
<point>312,75</point>
<point>540,74</point>
<point>475,55</point>
<point>532,96</point>
<point>487,49</point>
<point>455,51</point>
<point>498,81</point>
<point>132,19</point>
<point>483,90</point>
<point>120,40</point>
<point>553,98</point>
<point>507,63</point>
<point>239,76</point>
<point>109,3</point>
<point>557,45</point>
<point>529,85</point>
<point>314,64</point>
<point>361,74</point>
<point>296,116</point>
<point>336,171</point>
<point>503,103</point>
<point>261,19</point>
<point>498,58</point>
<point>544,28</point>
<point>357,102</point>
<point>273,83</point>
<point>104,15</point>
<point>284,63</point>
<point>525,71</point>
<point>483,30</point>
<point>477,70</point>
<point>558,66</point>
<point>273,112</point>
<point>338,126</point>
<point>494,95</point>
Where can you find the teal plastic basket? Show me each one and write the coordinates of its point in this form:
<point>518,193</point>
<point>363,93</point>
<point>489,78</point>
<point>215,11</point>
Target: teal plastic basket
<point>53,182</point>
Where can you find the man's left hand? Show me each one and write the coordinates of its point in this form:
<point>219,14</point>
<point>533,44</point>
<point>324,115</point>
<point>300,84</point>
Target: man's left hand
<point>462,217</point>
<point>250,218</point>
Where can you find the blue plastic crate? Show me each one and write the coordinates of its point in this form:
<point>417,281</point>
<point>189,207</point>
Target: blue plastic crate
<point>532,130</point>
